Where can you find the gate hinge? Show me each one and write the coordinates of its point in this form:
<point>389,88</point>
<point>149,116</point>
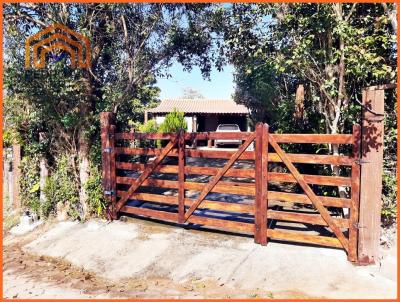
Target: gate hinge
<point>109,192</point>
<point>107,150</point>
<point>361,161</point>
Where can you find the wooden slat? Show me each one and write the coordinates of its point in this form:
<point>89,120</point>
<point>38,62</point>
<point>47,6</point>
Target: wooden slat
<point>302,198</point>
<point>305,218</point>
<point>273,157</point>
<point>149,213</point>
<point>311,179</point>
<point>113,171</point>
<point>280,138</point>
<point>244,189</point>
<point>314,138</point>
<point>207,204</point>
<point>144,136</point>
<point>136,183</point>
<point>303,238</point>
<point>355,196</point>
<point>181,177</point>
<point>244,173</point>
<point>313,159</point>
<point>261,184</point>
<point>311,195</point>
<point>207,189</point>
<point>222,187</point>
<point>217,135</point>
<point>222,224</point>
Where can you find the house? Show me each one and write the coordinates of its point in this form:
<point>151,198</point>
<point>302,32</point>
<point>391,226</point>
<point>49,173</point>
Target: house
<point>203,114</point>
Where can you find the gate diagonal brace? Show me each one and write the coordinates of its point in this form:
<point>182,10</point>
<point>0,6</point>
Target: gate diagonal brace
<point>218,176</point>
<point>310,193</point>
<point>136,184</point>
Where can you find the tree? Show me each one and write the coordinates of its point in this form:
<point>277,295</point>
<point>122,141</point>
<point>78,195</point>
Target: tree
<point>190,93</point>
<point>334,50</point>
<point>130,45</point>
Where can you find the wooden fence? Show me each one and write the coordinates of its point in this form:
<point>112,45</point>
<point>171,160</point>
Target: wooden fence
<point>263,191</point>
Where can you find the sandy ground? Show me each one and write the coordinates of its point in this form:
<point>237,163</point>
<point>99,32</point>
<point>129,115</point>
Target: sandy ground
<point>145,259</point>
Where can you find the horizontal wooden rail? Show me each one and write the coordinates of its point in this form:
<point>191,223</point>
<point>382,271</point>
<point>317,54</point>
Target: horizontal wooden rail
<point>314,138</point>
<point>272,157</point>
<point>305,218</point>
<point>188,136</point>
<point>242,189</point>
<point>239,188</point>
<point>207,204</point>
<point>205,221</point>
<point>303,238</point>
<point>150,213</point>
<point>143,136</point>
<point>303,199</point>
<point>280,138</point>
<point>222,223</point>
<point>244,173</point>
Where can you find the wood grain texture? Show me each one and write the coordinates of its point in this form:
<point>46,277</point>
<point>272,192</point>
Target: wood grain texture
<point>181,177</point>
<point>136,183</point>
<point>303,238</point>
<point>314,138</point>
<point>314,219</point>
<point>371,176</point>
<point>243,173</point>
<point>273,157</point>
<point>206,204</point>
<point>310,193</point>
<point>355,196</point>
<point>261,184</point>
<point>207,189</point>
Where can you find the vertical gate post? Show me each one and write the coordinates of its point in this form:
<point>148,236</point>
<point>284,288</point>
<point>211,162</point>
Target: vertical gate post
<point>371,174</point>
<point>261,183</point>
<point>108,161</point>
<point>181,177</point>
<point>355,195</point>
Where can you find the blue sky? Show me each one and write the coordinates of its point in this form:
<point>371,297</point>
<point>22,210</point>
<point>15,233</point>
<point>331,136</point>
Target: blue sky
<point>220,86</point>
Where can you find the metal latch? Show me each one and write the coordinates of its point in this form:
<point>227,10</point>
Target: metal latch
<point>110,192</point>
<point>361,161</point>
<point>107,150</point>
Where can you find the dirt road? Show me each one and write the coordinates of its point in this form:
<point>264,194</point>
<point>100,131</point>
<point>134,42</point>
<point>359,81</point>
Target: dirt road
<point>142,259</point>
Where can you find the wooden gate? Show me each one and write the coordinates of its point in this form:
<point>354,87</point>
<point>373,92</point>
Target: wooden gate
<point>160,176</point>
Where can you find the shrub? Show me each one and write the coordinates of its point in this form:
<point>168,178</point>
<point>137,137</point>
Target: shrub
<point>97,203</point>
<point>174,121</point>
<point>29,183</point>
<point>62,189</point>
<point>389,197</point>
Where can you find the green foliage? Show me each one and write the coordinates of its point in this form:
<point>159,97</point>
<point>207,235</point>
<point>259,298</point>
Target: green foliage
<point>93,186</point>
<point>173,122</point>
<point>29,183</point>
<point>61,189</point>
<point>149,127</point>
<point>389,205</point>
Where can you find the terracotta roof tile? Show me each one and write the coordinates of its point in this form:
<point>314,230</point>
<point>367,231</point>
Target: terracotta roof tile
<point>199,106</point>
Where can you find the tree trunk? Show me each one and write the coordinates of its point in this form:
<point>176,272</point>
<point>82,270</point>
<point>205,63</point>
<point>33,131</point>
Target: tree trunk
<point>83,158</point>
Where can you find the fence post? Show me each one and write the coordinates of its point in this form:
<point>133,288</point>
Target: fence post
<point>181,177</point>
<point>371,174</point>
<point>108,161</point>
<point>355,195</point>
<point>261,183</point>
